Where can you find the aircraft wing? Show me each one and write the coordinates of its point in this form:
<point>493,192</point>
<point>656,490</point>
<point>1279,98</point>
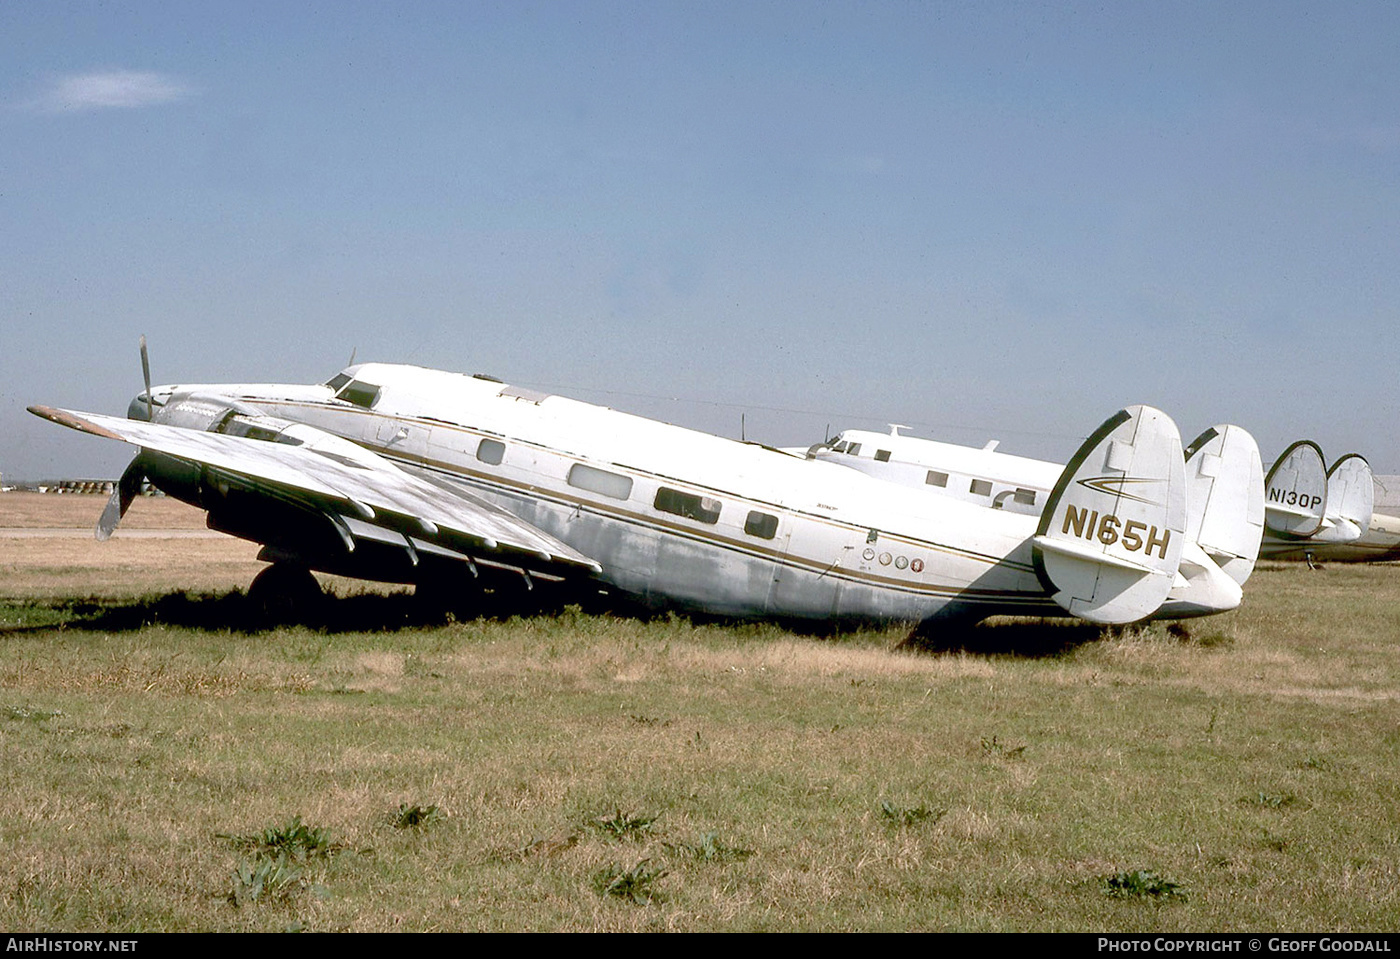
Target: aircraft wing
<point>361,491</point>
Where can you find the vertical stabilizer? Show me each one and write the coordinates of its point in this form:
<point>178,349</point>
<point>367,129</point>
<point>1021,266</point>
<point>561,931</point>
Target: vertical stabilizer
<point>1111,537</point>
<point>1295,494</point>
<point>1225,498</point>
<point>1351,495</point>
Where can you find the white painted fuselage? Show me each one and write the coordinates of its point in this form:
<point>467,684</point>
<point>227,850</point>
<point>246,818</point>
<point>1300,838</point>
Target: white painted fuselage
<point>673,516</point>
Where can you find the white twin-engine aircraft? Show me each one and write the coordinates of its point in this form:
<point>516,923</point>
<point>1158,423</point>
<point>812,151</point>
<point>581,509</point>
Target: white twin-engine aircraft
<point>1224,493</point>
<point>1312,512</point>
<point>402,474</point>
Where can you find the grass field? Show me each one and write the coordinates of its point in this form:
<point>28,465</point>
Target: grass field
<point>164,771</point>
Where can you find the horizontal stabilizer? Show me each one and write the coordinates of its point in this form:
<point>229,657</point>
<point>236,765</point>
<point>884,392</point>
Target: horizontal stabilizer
<point>1111,537</point>
<point>1225,498</point>
<point>1295,492</point>
<point>1203,587</point>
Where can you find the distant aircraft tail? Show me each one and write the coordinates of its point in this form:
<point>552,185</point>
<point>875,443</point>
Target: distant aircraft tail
<point>1225,498</point>
<point>1295,492</point>
<point>1351,495</point>
<point>1224,523</point>
<point>1110,539</point>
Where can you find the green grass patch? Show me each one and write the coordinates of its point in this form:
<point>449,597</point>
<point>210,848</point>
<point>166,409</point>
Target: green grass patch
<point>637,884</point>
<point>1141,884</point>
<point>415,816</point>
<point>909,816</point>
<point>295,840</point>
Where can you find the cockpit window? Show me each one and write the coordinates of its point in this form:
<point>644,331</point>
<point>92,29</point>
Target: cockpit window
<point>359,393</point>
<point>337,381</point>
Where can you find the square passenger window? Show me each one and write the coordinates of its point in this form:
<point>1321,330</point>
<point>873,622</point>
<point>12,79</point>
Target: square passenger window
<point>981,487</point>
<point>702,508</point>
<point>936,478</point>
<point>491,451</point>
<point>762,525</point>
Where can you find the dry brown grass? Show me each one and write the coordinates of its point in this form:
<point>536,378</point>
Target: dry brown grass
<point>47,549</point>
<point>80,511</point>
<point>1252,760</point>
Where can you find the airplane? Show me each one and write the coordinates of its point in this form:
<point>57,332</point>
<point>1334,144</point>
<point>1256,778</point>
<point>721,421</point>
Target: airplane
<point>456,482</point>
<point>1315,513</point>
<point>1310,512</point>
<point>1380,543</point>
<point>1225,489</point>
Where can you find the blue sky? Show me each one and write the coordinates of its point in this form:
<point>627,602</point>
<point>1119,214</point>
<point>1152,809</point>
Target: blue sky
<point>984,220</point>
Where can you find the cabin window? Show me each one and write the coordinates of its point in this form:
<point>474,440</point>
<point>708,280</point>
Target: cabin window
<point>702,508</point>
<point>491,452</point>
<point>600,481</point>
<point>1026,497</point>
<point>935,478</point>
<point>361,394</point>
<point>981,487</point>
<point>762,525</point>
<point>882,456</point>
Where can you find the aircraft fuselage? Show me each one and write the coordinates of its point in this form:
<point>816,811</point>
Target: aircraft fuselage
<point>675,517</point>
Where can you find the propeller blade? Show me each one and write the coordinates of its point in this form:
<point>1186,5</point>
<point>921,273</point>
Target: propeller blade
<point>127,489</point>
<point>146,375</point>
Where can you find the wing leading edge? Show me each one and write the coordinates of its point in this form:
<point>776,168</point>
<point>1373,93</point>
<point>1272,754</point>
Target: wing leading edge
<point>366,498</point>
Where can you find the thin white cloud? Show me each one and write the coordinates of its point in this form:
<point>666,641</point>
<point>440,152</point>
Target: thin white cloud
<point>113,89</point>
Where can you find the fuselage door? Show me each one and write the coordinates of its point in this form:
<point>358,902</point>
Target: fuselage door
<point>400,438</point>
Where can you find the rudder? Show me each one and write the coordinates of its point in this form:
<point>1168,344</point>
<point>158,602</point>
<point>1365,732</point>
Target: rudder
<point>1225,498</point>
<point>1110,539</point>
<point>1351,497</point>
<point>1295,497</point>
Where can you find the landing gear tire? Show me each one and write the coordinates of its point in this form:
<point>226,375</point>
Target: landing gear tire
<point>286,593</point>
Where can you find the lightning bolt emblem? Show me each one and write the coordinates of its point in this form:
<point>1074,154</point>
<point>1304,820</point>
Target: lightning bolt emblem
<point>1115,486</point>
